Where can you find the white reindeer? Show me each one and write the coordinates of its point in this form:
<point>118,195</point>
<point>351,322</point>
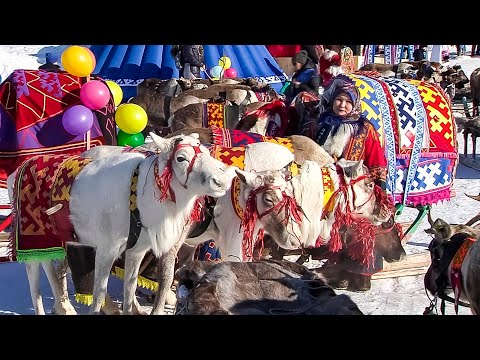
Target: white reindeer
<point>274,191</point>
<point>100,212</point>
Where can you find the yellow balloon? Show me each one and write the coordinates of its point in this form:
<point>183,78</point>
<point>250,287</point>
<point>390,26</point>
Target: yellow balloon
<point>131,118</point>
<point>78,61</point>
<point>225,62</point>
<point>116,91</point>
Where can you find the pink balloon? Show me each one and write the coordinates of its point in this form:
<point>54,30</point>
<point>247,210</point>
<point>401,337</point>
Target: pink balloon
<point>230,73</point>
<point>95,94</point>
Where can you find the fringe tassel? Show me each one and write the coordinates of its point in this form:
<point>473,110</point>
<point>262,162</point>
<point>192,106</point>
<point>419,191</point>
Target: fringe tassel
<point>248,222</point>
<point>141,281</point>
<point>219,136</point>
<point>425,199</point>
<point>197,213</point>
<point>163,181</point>
<point>85,299</point>
<point>259,240</point>
<point>57,253</point>
<point>362,245</point>
<point>400,232</point>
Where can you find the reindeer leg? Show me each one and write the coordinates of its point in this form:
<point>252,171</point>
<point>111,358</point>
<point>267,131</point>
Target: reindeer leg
<point>465,142</point>
<point>58,283</point>
<point>165,279</point>
<point>33,274</point>
<point>103,265</point>
<point>110,308</point>
<point>133,260</point>
<point>474,146</point>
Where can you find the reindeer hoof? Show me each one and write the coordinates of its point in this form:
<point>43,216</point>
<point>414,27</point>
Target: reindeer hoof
<point>359,283</point>
<point>171,298</point>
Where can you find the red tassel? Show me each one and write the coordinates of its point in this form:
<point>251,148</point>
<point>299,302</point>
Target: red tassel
<point>197,212</point>
<point>292,210</point>
<point>335,242</point>
<point>362,245</point>
<point>259,240</point>
<point>319,242</point>
<point>163,181</point>
<point>248,222</point>
<point>400,232</point>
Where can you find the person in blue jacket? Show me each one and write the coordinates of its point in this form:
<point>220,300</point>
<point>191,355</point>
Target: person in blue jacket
<point>305,78</point>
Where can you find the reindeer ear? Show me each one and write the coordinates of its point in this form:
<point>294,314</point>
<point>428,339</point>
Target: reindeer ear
<point>248,178</point>
<point>358,169</point>
<point>442,229</point>
<point>160,143</point>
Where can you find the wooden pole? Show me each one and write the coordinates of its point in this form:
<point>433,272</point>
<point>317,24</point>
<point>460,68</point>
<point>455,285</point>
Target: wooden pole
<point>411,265</point>
<point>88,133</point>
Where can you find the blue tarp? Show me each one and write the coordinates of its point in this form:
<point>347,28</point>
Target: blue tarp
<point>128,65</point>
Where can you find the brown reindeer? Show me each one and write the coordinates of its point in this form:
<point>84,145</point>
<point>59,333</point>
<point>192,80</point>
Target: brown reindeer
<point>264,287</point>
<point>475,90</point>
<point>455,266</point>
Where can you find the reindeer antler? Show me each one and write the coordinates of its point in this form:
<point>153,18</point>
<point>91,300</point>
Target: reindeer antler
<point>429,217</point>
<point>474,197</point>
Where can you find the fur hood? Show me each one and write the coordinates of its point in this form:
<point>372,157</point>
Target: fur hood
<point>328,54</point>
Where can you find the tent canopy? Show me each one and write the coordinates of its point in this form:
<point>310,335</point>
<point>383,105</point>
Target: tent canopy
<point>128,65</point>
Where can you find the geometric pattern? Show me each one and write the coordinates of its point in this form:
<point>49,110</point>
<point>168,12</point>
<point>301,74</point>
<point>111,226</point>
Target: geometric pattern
<point>234,156</point>
<point>40,183</point>
<point>236,138</point>
<point>416,127</point>
<point>67,172</point>
<point>215,115</point>
<point>32,106</point>
<point>432,181</point>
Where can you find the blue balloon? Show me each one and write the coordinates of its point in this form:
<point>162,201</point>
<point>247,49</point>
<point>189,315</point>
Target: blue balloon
<point>216,71</point>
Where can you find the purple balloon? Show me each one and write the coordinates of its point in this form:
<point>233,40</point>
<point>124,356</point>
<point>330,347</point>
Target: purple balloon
<point>77,120</point>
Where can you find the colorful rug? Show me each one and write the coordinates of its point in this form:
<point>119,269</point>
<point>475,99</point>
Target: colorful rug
<point>237,138</point>
<point>32,103</point>
<point>42,183</point>
<point>214,115</point>
<point>418,132</point>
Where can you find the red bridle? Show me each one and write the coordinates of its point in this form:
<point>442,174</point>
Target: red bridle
<point>163,180</point>
<point>288,204</point>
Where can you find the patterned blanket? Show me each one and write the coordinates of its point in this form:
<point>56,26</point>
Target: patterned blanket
<point>32,103</point>
<point>418,132</point>
<point>235,138</point>
<point>214,114</point>
<point>42,183</point>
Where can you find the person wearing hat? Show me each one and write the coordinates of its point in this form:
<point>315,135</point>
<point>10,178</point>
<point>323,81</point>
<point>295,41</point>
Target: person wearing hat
<point>344,133</point>
<point>50,63</point>
<point>305,77</point>
<point>189,60</point>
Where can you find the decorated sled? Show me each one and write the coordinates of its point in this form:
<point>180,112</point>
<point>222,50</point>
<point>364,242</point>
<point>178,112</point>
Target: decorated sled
<point>32,103</point>
<point>418,132</point>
